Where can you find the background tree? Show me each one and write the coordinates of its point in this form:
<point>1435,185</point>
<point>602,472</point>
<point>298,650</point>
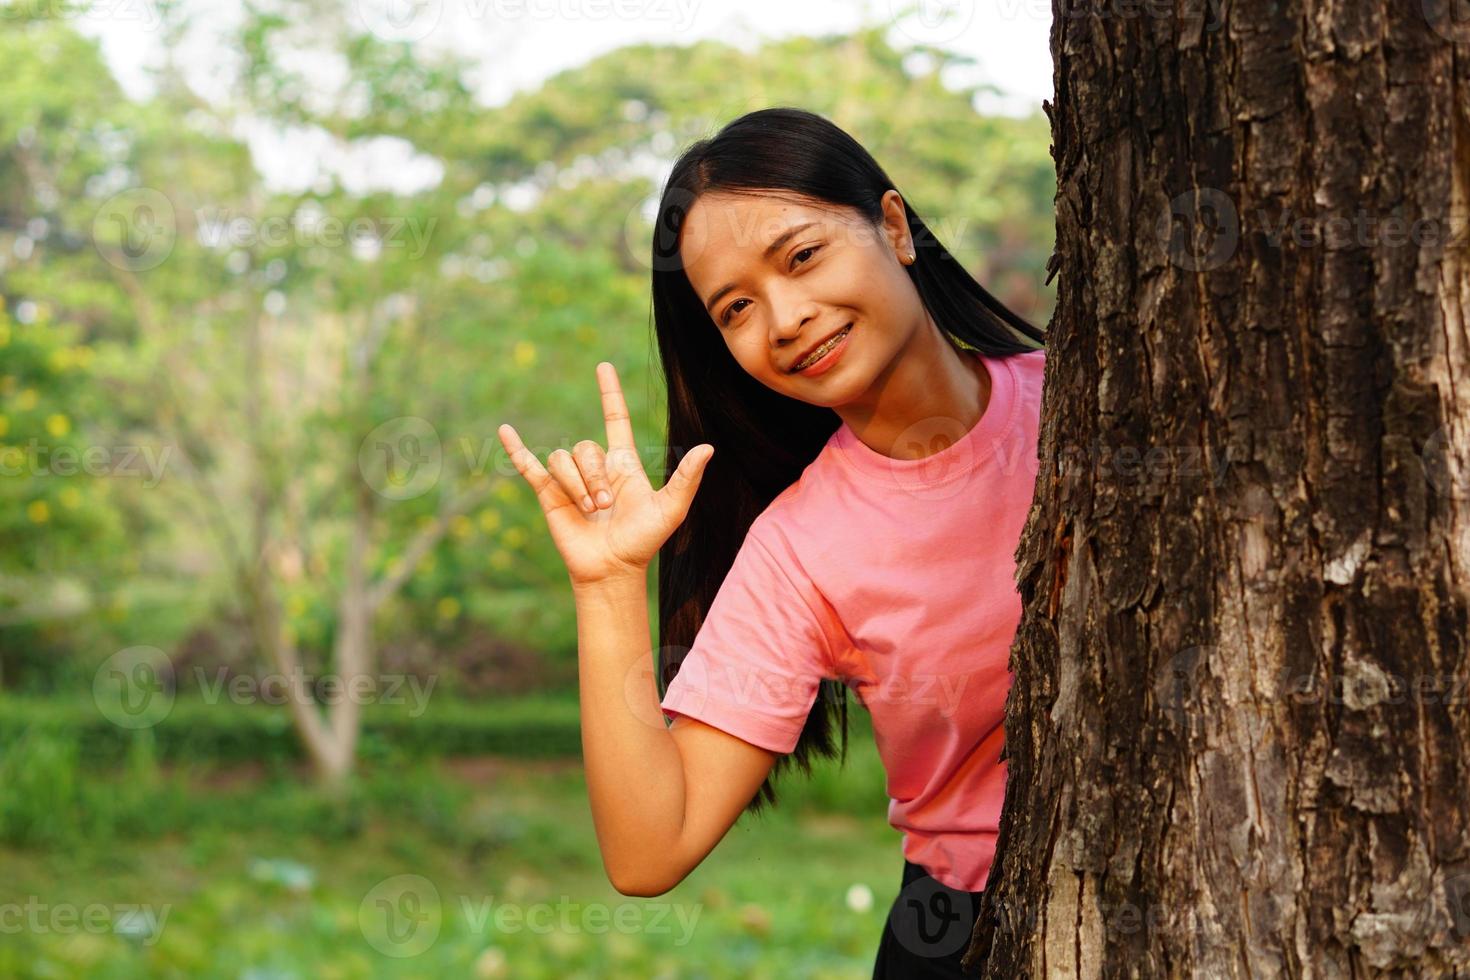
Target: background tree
<point>1238,740</point>
<point>308,357</point>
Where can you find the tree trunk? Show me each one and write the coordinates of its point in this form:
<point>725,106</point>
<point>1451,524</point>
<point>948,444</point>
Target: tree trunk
<point>1239,732</point>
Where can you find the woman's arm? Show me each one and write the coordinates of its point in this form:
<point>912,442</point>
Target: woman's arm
<point>661,798</point>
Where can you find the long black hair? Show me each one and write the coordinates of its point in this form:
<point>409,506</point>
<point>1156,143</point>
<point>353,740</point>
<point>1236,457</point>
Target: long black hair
<point>763,439</point>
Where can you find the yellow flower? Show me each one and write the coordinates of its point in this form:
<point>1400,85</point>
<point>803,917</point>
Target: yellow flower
<point>60,359</point>
<point>4,425</point>
<point>58,425</point>
<point>489,519</point>
<point>38,512</point>
<point>448,607</point>
<point>500,558</point>
<point>461,526</point>
<point>295,606</point>
<point>513,537</point>
<point>26,400</point>
<point>524,353</point>
<point>70,498</point>
<point>506,491</point>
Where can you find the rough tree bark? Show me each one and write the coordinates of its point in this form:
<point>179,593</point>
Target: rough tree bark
<point>1239,733</point>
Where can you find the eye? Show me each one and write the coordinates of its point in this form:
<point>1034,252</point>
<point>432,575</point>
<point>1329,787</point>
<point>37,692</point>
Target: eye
<point>809,248</point>
<point>725,317</point>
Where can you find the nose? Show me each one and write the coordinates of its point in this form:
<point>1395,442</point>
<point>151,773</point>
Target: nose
<point>790,313</point>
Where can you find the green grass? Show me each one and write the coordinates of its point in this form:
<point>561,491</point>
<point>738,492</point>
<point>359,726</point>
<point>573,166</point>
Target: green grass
<point>265,878</point>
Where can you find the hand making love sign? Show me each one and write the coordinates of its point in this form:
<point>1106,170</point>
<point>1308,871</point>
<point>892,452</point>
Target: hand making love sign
<point>604,516</point>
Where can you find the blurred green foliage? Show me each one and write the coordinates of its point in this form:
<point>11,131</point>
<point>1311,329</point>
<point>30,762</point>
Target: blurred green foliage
<point>158,294</point>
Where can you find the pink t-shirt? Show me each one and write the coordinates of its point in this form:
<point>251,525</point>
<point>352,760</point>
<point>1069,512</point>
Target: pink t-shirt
<point>896,577</point>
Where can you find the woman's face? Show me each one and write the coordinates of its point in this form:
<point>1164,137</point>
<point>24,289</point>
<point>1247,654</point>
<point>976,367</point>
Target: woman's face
<point>828,269</point>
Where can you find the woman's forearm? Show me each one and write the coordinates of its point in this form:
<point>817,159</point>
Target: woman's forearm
<point>635,777</point>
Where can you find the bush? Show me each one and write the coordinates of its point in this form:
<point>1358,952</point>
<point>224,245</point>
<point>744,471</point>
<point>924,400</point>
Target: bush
<point>197,731</point>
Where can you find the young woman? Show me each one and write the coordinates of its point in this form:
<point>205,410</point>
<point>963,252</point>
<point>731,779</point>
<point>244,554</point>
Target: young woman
<point>863,422</point>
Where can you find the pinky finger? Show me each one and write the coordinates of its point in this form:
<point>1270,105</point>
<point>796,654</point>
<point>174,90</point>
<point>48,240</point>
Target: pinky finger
<point>548,492</point>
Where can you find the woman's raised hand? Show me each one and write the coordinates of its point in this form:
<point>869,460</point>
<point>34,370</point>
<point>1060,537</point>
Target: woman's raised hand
<point>604,516</point>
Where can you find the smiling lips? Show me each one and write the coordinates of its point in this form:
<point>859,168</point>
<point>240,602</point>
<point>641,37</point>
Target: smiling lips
<point>822,349</point>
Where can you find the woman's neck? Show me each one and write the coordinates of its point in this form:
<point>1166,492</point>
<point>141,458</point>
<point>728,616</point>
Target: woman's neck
<point>930,396</point>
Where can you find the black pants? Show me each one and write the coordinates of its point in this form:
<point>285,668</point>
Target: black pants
<point>927,931</point>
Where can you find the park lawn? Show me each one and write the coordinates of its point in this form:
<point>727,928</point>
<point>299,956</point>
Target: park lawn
<point>409,881</point>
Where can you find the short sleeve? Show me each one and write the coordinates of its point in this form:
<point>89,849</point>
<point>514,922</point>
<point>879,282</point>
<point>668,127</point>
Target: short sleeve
<point>761,653</point>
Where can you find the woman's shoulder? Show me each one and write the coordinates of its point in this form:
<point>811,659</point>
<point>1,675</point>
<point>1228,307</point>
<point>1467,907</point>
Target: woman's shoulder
<point>814,501</point>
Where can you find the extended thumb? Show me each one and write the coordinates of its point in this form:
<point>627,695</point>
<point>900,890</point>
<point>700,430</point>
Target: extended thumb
<point>691,467</point>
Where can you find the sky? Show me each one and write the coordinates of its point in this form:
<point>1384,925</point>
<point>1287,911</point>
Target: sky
<point>519,43</point>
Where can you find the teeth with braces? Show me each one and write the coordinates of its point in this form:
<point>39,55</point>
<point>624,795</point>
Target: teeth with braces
<point>823,350</point>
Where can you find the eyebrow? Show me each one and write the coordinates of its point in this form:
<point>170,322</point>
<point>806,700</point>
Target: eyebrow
<point>780,240</point>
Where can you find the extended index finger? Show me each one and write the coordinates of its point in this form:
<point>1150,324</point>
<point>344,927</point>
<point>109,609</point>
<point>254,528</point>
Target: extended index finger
<point>614,408</point>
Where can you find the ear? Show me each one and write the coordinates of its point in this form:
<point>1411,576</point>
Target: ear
<point>896,225</point>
